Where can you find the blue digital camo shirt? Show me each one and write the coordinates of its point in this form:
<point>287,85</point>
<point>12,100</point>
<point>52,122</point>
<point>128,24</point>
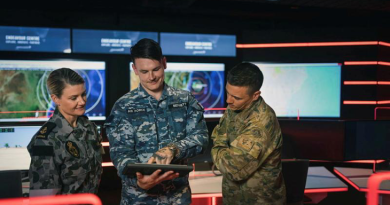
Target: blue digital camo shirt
<point>140,125</point>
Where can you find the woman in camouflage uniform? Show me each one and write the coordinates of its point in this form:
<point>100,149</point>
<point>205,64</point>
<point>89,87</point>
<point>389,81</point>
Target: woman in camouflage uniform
<point>66,153</point>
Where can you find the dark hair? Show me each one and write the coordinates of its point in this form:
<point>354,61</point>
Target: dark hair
<point>246,75</point>
<point>58,79</point>
<point>146,48</point>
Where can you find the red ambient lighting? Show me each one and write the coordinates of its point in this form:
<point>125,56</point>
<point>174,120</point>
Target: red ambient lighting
<point>367,63</point>
<point>314,44</point>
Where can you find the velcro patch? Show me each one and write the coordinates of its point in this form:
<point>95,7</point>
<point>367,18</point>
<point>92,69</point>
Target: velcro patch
<point>73,149</point>
<point>178,105</point>
<point>42,151</point>
<point>245,143</point>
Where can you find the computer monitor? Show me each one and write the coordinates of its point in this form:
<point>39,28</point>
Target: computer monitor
<point>302,89</point>
<point>107,41</point>
<point>34,39</point>
<point>24,95</point>
<point>206,81</point>
<point>190,44</point>
<point>13,146</point>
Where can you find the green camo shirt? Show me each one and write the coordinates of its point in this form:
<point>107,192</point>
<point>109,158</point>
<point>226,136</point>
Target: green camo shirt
<point>247,150</point>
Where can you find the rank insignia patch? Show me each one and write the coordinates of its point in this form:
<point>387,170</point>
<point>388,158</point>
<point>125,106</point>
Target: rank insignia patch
<point>73,149</point>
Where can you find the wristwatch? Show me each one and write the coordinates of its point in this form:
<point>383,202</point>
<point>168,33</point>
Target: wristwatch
<point>174,149</point>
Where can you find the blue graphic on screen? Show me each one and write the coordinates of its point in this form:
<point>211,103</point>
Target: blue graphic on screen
<point>198,44</point>
<point>307,90</point>
<point>204,80</point>
<point>25,96</point>
<point>34,39</point>
<point>107,41</point>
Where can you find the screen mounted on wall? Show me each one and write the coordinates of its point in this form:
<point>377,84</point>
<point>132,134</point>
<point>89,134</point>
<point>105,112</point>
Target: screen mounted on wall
<point>184,44</point>
<point>302,89</point>
<point>24,95</point>
<point>107,41</point>
<point>34,39</point>
<point>13,147</point>
<point>206,81</point>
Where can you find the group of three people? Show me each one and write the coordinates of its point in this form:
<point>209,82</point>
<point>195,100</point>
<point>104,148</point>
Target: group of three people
<point>156,123</point>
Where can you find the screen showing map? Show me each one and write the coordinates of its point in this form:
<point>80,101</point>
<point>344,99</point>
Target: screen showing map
<point>24,95</point>
<point>302,89</point>
<point>13,147</point>
<point>34,39</point>
<point>184,44</point>
<point>206,81</point>
<point>107,41</point>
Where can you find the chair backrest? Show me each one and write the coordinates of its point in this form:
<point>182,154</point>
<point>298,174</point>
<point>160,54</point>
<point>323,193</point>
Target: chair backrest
<point>295,175</point>
<point>10,184</point>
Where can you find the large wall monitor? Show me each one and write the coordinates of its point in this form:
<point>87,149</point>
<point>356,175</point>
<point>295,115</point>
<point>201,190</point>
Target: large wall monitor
<point>206,81</point>
<point>302,89</point>
<point>107,41</point>
<point>24,95</point>
<point>13,147</point>
<point>33,39</point>
<point>184,44</point>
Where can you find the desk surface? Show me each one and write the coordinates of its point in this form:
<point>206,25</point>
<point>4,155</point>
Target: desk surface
<point>319,179</point>
<point>358,177</point>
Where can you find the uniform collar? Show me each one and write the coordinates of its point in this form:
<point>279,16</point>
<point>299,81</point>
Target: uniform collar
<point>63,128</point>
<point>167,91</point>
<point>244,114</point>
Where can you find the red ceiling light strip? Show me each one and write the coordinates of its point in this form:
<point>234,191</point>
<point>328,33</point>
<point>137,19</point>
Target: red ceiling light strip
<point>360,82</point>
<point>367,63</point>
<point>350,102</point>
<point>361,63</point>
<point>383,82</point>
<point>313,44</point>
<point>382,102</point>
<point>384,43</point>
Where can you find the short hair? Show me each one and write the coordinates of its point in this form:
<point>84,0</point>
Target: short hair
<point>146,48</point>
<point>246,75</point>
<point>59,78</point>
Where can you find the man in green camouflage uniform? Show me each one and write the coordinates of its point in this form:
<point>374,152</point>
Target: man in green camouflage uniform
<point>65,160</point>
<point>155,122</point>
<point>248,143</point>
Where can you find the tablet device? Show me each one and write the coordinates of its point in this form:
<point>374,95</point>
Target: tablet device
<point>148,169</point>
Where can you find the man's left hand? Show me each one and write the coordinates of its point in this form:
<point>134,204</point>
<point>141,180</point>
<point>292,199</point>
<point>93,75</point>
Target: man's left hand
<point>162,156</point>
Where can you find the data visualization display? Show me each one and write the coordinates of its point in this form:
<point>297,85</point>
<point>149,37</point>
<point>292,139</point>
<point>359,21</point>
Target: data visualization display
<point>302,89</point>
<point>33,39</point>
<point>24,95</point>
<point>206,81</point>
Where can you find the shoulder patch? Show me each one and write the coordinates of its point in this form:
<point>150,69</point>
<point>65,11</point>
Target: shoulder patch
<point>73,149</point>
<point>42,151</point>
<point>45,130</point>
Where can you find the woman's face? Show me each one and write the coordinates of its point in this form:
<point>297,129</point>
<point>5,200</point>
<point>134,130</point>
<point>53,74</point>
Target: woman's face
<point>73,100</point>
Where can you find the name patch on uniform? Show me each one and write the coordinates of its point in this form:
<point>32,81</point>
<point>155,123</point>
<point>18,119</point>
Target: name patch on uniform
<point>178,105</point>
<point>73,149</point>
<point>137,110</point>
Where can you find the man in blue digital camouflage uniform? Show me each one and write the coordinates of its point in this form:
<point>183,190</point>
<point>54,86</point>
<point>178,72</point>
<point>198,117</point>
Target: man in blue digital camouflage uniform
<point>155,123</point>
<point>248,143</point>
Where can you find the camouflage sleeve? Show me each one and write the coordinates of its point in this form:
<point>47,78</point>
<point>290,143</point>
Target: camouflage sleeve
<point>197,139</point>
<point>245,154</point>
<point>43,173</point>
<point>120,135</point>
